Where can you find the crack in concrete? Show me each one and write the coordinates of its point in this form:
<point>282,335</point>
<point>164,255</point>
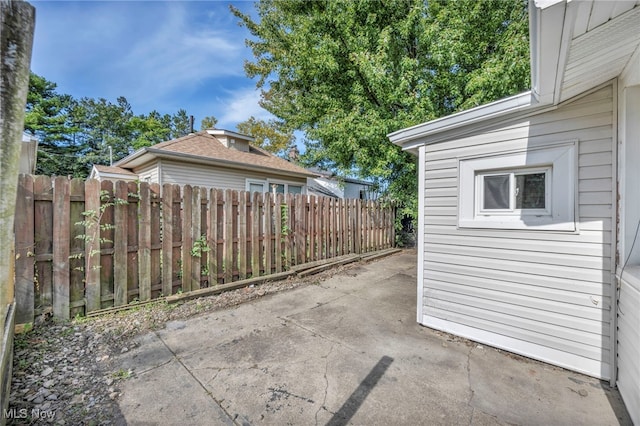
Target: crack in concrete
<point>154,367</point>
<point>279,392</point>
<point>207,392</point>
<point>218,370</point>
<point>475,410</point>
<point>472,394</point>
<point>320,304</point>
<point>326,381</point>
<point>316,333</point>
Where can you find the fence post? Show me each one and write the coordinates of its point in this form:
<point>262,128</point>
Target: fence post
<point>196,222</point>
<point>277,223</point>
<point>25,257</point>
<point>187,192</point>
<point>144,242</point>
<point>156,240</point>
<point>301,229</point>
<point>92,245</point>
<point>267,235</point>
<point>227,248</point>
<point>311,226</point>
<point>212,237</point>
<point>167,239</point>
<point>120,244</point>
<point>256,258</point>
<point>242,233</point>
<point>288,236</point>
<point>61,232</point>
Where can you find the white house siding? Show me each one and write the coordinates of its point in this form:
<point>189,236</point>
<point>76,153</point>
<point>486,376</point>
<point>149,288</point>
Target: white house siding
<point>629,341</point>
<point>212,177</point>
<point>353,190</point>
<point>629,290</point>
<point>149,173</point>
<point>543,294</point>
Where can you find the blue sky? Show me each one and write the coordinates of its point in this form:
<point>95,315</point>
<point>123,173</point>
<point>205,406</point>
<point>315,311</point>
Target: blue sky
<point>159,55</point>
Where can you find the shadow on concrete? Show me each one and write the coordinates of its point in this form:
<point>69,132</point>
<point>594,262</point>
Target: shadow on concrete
<point>355,400</point>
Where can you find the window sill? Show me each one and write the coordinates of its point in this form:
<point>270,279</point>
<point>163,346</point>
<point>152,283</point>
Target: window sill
<point>517,224</point>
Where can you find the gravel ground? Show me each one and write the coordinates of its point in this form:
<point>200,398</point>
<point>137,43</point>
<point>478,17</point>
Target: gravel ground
<point>63,372</point>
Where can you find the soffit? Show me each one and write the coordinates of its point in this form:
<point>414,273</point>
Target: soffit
<point>605,35</point>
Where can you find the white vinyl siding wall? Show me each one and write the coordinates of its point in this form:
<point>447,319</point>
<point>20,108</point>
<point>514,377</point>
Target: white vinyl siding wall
<point>212,177</point>
<point>629,342</point>
<point>629,292</point>
<point>148,173</point>
<point>544,294</point>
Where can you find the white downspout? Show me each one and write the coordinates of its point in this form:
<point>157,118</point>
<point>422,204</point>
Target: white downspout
<point>420,239</point>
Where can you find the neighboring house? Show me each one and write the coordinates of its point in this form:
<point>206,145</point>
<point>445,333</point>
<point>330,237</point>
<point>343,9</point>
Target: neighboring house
<point>329,185</point>
<point>101,172</point>
<point>28,154</point>
<point>213,158</point>
<point>519,201</point>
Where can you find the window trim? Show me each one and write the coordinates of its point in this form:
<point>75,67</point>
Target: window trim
<point>560,159</point>
<point>267,185</point>
<point>249,182</point>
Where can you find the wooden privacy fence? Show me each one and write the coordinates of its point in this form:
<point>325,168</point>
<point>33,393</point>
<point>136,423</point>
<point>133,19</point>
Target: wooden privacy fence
<point>82,245</point>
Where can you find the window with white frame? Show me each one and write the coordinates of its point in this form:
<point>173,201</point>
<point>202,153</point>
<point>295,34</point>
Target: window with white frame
<point>294,189</point>
<point>520,191</point>
<point>275,187</point>
<point>533,189</point>
<point>256,187</point>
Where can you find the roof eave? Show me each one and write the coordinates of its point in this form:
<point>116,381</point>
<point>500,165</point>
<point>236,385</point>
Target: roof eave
<point>412,137</point>
<point>224,163</point>
<point>228,133</point>
<point>133,160</point>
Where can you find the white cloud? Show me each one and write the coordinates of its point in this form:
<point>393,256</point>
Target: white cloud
<point>159,55</point>
<point>145,51</point>
<point>241,104</point>
<point>178,54</point>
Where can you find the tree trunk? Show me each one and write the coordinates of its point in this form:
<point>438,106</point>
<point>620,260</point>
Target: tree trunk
<point>17,21</point>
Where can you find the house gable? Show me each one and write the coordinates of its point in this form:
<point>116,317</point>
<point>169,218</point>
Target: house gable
<point>232,140</point>
<point>101,172</point>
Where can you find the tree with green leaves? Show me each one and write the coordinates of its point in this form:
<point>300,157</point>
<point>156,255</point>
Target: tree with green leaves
<point>48,117</point>
<point>180,124</point>
<point>347,73</point>
<point>103,128</point>
<point>150,129</point>
<point>208,123</point>
<point>269,135</point>
<point>75,134</point>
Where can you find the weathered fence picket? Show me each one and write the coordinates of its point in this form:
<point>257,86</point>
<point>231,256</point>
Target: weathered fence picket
<point>25,257</point>
<point>85,246</point>
<point>92,245</point>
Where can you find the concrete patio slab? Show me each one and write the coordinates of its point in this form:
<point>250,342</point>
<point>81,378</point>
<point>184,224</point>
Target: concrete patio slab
<point>346,350</point>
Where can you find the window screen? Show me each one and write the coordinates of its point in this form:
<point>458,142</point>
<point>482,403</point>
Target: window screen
<point>496,192</point>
